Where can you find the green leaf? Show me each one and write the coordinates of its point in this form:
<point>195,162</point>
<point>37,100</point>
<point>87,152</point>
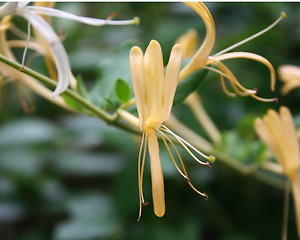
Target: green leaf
<point>81,89</point>
<point>122,90</point>
<point>72,103</point>
<point>115,67</point>
<point>188,85</point>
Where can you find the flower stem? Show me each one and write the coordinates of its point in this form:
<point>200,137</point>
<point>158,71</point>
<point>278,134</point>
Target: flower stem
<point>95,110</point>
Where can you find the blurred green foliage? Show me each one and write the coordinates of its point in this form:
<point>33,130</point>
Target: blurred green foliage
<point>68,177</point>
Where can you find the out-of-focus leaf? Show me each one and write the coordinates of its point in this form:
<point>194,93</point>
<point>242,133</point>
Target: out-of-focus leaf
<point>297,121</point>
<point>92,217</point>
<point>85,163</point>
<point>10,212</point>
<point>188,85</point>
<point>122,90</point>
<point>27,131</point>
<point>21,161</point>
<point>110,70</point>
<point>82,230</point>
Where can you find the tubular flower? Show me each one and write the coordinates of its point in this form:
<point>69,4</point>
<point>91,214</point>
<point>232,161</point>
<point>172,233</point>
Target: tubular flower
<point>278,132</point>
<point>202,58</point>
<point>154,92</point>
<point>189,42</point>
<point>31,14</point>
<point>8,72</point>
<point>290,76</point>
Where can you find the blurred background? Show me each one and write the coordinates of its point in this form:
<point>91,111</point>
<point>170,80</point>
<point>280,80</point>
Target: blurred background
<point>72,177</point>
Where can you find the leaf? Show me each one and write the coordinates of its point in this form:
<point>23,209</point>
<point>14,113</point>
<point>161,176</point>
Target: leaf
<point>188,85</point>
<point>122,90</point>
<point>72,103</point>
<point>110,70</point>
<point>81,89</point>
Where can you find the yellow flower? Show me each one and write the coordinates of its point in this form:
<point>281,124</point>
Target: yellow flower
<point>201,58</point>
<point>290,76</point>
<point>154,92</point>
<point>279,134</point>
<point>188,42</point>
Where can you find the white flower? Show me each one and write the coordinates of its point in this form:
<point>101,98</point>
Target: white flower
<point>31,14</point>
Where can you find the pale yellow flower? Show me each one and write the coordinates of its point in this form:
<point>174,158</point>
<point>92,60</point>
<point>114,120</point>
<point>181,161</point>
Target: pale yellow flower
<point>154,93</point>
<point>278,132</point>
<point>202,58</point>
<point>290,76</point>
<point>188,42</point>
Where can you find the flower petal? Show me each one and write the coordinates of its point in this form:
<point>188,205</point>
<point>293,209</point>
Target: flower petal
<point>154,77</point>
<point>138,82</point>
<point>8,8</point>
<point>158,192</point>
<point>87,20</point>
<point>60,55</point>
<point>202,54</point>
<point>171,81</point>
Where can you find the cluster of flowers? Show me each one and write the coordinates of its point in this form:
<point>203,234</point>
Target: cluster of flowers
<point>154,89</point>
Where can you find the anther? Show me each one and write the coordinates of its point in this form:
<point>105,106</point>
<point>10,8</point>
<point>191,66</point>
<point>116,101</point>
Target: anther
<point>145,203</point>
<point>186,178</point>
<point>283,14</point>
<point>206,196</point>
<point>112,15</point>
<point>256,90</point>
<point>211,159</point>
<point>139,218</point>
<point>21,69</point>
<point>276,100</point>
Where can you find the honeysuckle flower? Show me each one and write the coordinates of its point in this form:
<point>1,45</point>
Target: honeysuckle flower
<point>290,76</point>
<point>8,72</point>
<point>154,92</point>
<point>189,43</point>
<point>277,130</point>
<point>202,58</point>
<point>32,15</point>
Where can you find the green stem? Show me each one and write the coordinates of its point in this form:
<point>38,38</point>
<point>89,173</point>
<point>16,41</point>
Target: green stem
<point>114,119</point>
<point>97,112</point>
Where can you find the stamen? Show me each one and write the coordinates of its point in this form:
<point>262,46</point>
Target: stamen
<point>283,15</point>
<point>26,45</point>
<point>232,79</point>
<point>27,104</point>
<point>226,91</point>
<point>184,143</point>
<point>206,196</point>
<point>182,164</point>
<point>112,15</point>
<point>141,173</point>
<point>163,136</point>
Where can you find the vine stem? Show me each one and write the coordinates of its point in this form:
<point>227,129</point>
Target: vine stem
<point>95,110</point>
<point>114,119</point>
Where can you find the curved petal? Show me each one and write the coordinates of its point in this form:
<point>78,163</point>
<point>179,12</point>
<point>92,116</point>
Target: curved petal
<point>254,57</point>
<point>60,56</point>
<point>171,81</point>
<point>137,73</point>
<point>8,8</point>
<point>202,54</point>
<point>87,20</point>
